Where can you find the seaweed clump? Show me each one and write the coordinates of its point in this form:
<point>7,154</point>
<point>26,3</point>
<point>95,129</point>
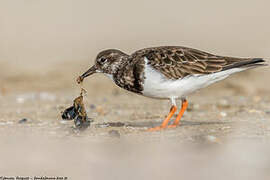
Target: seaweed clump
<point>78,113</point>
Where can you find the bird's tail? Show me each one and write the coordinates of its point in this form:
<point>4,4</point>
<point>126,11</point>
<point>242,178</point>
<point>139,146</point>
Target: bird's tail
<point>248,63</point>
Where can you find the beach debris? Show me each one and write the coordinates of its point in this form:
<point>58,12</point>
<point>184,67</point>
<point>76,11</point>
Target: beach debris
<point>223,114</point>
<point>100,110</point>
<point>223,103</point>
<point>254,111</point>
<point>24,120</point>
<point>212,139</point>
<point>257,99</point>
<point>113,124</point>
<point>92,106</point>
<point>78,113</point>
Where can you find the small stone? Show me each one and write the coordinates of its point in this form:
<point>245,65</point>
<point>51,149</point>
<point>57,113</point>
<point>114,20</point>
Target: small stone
<point>223,114</point>
<point>100,110</point>
<point>3,91</point>
<point>223,103</point>
<point>20,100</point>
<point>115,124</point>
<point>254,111</point>
<point>64,122</point>
<point>212,139</point>
<point>92,106</point>
<point>24,120</point>
<point>225,128</point>
<point>114,134</point>
<point>26,97</point>
<point>257,99</point>
<point>267,112</point>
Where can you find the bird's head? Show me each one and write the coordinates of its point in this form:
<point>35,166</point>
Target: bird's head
<point>107,61</point>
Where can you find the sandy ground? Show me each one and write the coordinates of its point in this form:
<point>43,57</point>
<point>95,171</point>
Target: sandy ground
<point>45,45</point>
<point>225,132</point>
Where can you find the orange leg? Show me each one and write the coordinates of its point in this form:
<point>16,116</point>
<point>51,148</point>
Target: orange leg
<point>166,121</point>
<point>179,116</point>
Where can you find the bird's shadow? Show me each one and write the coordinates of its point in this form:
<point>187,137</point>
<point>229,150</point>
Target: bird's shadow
<point>148,124</point>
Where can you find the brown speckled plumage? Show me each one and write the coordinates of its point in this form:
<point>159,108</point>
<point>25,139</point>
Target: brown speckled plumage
<point>174,62</point>
<point>177,62</point>
<point>127,72</point>
<point>131,76</point>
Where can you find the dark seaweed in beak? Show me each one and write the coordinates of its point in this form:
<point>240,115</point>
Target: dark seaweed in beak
<point>89,72</point>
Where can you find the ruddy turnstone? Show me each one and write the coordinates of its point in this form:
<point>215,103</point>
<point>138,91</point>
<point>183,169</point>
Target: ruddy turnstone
<point>167,72</point>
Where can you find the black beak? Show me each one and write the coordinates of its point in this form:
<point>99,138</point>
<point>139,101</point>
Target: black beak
<point>89,72</point>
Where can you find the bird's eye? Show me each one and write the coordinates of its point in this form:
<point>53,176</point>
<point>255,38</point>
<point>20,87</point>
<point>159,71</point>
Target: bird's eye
<point>102,60</point>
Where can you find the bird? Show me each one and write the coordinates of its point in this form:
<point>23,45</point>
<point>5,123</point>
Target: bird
<point>167,72</point>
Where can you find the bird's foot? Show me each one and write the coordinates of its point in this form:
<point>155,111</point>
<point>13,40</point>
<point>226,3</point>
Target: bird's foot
<point>173,125</point>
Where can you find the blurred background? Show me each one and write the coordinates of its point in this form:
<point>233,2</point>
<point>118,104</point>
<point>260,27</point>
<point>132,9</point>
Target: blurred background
<point>46,44</point>
<point>61,38</point>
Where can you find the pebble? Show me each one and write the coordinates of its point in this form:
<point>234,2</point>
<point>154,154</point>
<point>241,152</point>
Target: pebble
<point>223,114</point>
<point>116,124</point>
<point>213,139</point>
<point>100,110</point>
<point>3,91</point>
<point>2,123</point>
<point>267,112</point>
<point>257,99</point>
<point>24,120</point>
<point>64,122</point>
<point>223,103</point>
<point>114,134</point>
<point>225,128</point>
<point>92,106</point>
<point>254,111</point>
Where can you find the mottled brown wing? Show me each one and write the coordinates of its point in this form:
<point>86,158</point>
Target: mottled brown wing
<point>178,62</point>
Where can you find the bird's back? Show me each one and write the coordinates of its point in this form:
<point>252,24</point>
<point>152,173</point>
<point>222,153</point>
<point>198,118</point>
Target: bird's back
<point>175,63</point>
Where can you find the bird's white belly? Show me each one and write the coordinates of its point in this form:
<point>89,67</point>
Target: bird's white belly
<point>156,85</point>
